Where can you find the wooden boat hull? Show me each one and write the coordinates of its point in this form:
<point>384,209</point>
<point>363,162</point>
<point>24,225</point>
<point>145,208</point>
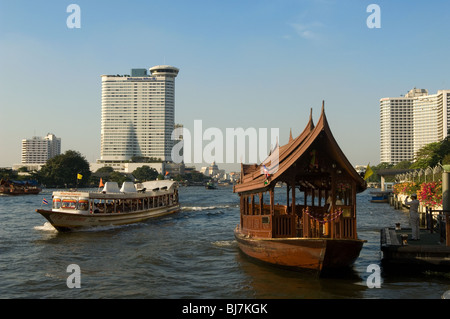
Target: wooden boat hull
<point>18,192</point>
<point>379,200</point>
<point>315,254</point>
<point>380,197</point>
<point>64,221</point>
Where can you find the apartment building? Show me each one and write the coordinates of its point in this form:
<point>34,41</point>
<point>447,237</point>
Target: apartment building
<point>409,122</point>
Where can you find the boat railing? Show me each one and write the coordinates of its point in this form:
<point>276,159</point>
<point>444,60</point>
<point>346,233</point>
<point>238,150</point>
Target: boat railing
<point>307,221</point>
<point>116,205</point>
<point>257,225</point>
<point>317,221</point>
<point>284,226</point>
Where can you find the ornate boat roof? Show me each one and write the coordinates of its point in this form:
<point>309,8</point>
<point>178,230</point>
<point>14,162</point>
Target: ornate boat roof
<point>314,152</point>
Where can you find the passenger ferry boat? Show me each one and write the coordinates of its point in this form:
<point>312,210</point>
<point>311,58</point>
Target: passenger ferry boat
<point>112,206</point>
<point>317,232</point>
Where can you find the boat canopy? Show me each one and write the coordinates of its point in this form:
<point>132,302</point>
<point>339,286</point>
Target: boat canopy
<point>111,187</point>
<point>157,185</point>
<point>131,188</point>
<point>304,159</point>
<point>128,187</point>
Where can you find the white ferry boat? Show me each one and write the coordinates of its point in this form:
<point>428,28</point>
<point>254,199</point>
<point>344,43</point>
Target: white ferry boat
<point>112,206</point>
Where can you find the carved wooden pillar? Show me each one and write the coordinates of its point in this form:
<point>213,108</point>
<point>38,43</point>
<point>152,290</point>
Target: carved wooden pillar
<point>287,198</point>
<point>272,201</point>
<point>293,198</point>
<point>252,209</point>
<point>261,204</point>
<point>333,204</point>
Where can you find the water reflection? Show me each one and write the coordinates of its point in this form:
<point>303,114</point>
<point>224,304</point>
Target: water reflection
<point>267,281</point>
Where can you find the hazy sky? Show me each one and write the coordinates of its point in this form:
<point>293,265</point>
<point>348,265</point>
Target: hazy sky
<point>260,64</point>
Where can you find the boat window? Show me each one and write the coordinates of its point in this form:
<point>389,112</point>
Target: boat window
<point>69,203</point>
<point>83,204</point>
<point>98,206</point>
<point>56,203</point>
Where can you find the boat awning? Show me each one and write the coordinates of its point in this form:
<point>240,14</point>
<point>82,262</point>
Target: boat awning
<point>159,184</point>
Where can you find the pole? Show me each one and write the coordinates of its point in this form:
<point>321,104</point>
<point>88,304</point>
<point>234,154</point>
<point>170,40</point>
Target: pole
<point>446,203</point>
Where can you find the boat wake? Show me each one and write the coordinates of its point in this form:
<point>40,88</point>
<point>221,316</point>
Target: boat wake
<point>201,208</point>
<point>46,227</point>
<point>225,243</point>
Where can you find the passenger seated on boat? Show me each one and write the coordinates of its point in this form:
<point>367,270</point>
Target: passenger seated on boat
<point>328,203</point>
<point>83,206</point>
<point>98,209</point>
<point>109,208</point>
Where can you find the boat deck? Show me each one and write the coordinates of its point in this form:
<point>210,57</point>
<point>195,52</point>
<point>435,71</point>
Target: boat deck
<point>430,250</point>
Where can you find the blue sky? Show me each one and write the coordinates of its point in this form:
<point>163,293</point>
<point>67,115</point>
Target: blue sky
<point>258,64</point>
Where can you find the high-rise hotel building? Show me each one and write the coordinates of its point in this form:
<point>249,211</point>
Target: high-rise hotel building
<point>37,150</point>
<point>138,114</point>
<point>410,122</point>
<point>431,116</point>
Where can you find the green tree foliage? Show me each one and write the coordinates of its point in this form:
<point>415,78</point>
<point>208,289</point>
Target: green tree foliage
<point>105,170</point>
<point>62,170</point>
<point>403,165</point>
<point>432,154</point>
<point>7,173</point>
<point>446,159</point>
<point>428,155</point>
<point>145,173</point>
<point>119,178</point>
<point>444,149</point>
<point>142,159</point>
<point>375,177</point>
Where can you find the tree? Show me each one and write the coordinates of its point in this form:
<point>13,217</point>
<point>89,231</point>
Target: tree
<point>145,173</point>
<point>143,159</point>
<point>403,165</point>
<point>63,170</point>
<point>105,169</point>
<point>7,173</point>
<point>119,177</point>
<point>427,156</point>
<point>446,160</point>
<point>444,148</point>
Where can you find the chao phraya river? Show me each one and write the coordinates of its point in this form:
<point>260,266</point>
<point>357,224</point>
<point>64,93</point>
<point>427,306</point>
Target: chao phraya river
<point>191,254</point>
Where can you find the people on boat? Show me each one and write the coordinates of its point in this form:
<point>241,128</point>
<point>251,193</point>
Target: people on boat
<point>413,216</point>
<point>329,201</point>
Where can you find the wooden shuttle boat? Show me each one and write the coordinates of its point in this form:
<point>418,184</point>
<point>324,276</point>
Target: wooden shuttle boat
<point>111,206</point>
<point>315,232</point>
<point>19,188</point>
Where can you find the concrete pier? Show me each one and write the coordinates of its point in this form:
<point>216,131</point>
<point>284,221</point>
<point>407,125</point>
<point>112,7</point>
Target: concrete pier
<point>429,251</point>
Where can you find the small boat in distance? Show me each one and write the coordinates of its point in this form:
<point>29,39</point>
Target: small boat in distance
<point>380,197</point>
<point>210,185</point>
<point>131,204</point>
<point>383,195</point>
<point>19,187</point>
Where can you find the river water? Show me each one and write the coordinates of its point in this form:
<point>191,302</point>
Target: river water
<point>188,255</point>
